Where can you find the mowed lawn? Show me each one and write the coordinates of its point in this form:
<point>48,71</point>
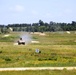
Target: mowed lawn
<point>55,49</point>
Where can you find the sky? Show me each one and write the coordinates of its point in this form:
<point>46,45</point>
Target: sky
<point>31,11</point>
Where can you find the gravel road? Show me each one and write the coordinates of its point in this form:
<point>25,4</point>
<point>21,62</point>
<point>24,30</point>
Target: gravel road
<point>37,68</point>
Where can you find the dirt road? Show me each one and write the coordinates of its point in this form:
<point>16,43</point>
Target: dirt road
<point>37,68</point>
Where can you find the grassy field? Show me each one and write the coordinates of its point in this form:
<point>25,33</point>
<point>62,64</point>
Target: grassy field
<point>42,72</point>
<point>56,49</point>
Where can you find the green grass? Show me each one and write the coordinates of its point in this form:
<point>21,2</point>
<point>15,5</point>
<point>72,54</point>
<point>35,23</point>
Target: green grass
<point>42,72</point>
<point>57,49</point>
<point>56,38</point>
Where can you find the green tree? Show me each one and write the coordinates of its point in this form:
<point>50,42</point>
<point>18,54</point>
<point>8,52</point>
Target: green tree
<point>41,23</point>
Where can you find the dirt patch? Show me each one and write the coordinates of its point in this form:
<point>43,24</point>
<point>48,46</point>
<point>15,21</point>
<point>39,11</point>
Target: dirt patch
<point>35,33</point>
<point>15,43</point>
<point>68,32</point>
<point>6,35</point>
<point>42,34</point>
<point>35,42</point>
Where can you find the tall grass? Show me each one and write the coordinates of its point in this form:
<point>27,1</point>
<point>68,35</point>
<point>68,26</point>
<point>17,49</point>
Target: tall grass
<point>55,50</point>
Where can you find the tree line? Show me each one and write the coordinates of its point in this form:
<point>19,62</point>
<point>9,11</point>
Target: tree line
<point>39,27</point>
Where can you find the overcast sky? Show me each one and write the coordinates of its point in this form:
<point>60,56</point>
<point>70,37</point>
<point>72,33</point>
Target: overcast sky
<point>31,11</point>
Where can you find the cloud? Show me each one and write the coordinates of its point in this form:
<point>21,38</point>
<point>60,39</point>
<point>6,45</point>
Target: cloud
<point>17,8</point>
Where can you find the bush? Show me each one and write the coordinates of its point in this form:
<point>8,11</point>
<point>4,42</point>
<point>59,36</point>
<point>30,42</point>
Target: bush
<point>7,59</point>
<point>0,51</point>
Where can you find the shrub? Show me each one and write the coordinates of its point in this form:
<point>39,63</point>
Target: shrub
<point>7,59</point>
<point>0,51</point>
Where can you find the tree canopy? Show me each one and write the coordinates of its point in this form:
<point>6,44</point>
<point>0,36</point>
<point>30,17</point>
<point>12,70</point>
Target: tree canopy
<point>39,27</point>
